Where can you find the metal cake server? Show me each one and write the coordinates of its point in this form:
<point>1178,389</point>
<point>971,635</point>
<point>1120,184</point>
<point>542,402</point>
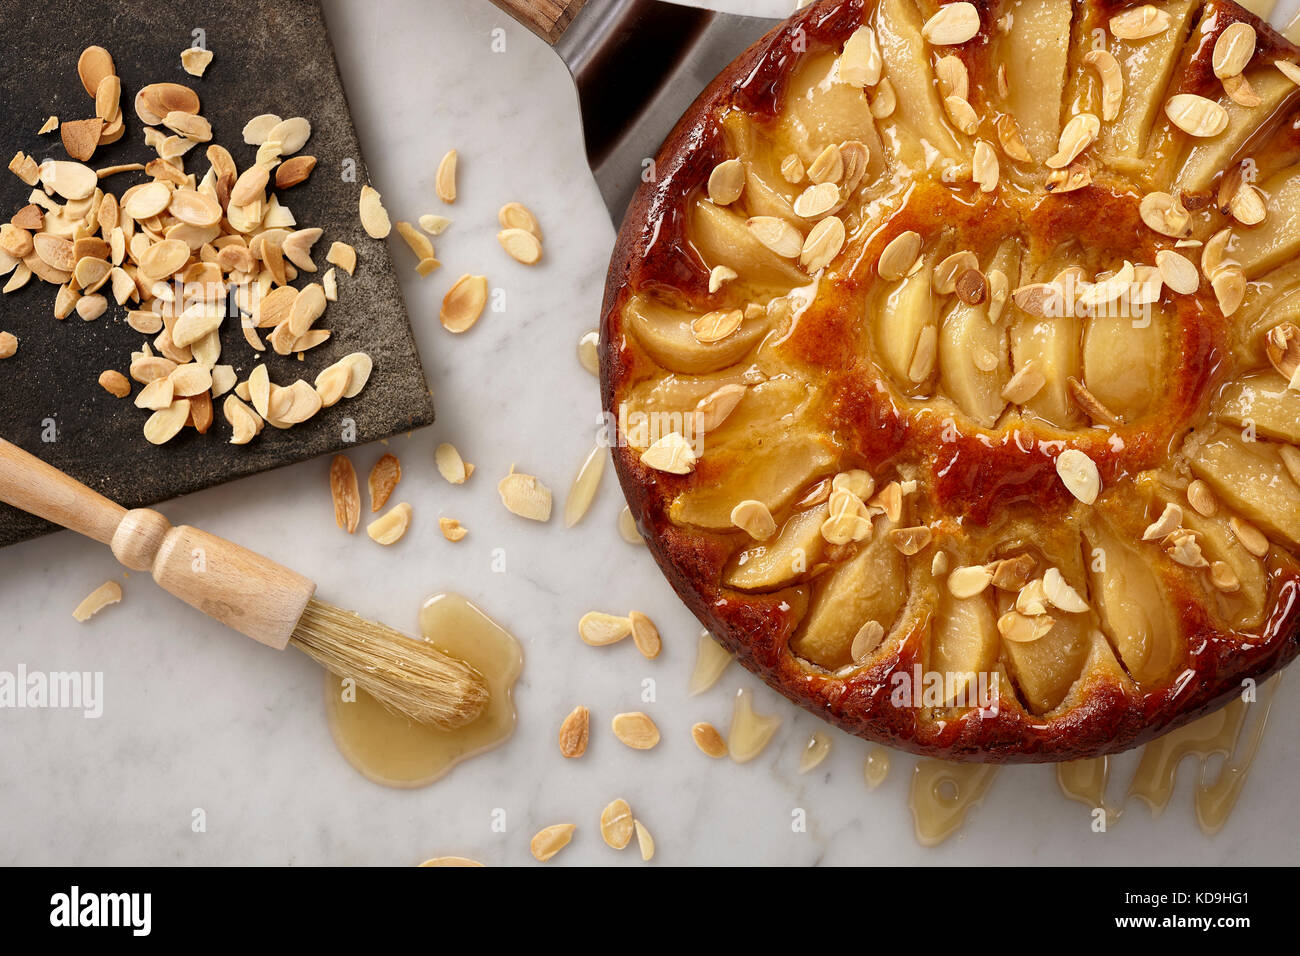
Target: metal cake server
<point>638,65</point>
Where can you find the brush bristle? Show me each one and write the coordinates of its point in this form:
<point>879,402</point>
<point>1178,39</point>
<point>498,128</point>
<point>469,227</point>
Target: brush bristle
<point>406,675</point>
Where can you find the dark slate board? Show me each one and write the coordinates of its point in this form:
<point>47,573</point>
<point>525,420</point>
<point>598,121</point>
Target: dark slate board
<point>269,56</point>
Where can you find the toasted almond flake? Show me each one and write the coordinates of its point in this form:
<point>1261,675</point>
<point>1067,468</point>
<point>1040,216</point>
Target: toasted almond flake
<point>297,247</point>
<point>897,258</point>
<point>1139,23</point>
<point>344,493</point>
<point>360,366</point>
<point>672,454</point>
<point>1195,115</point>
<point>417,241</point>
<point>1183,547</point>
<point>1288,69</point>
<point>115,383</point>
<point>1229,285</point>
<point>1009,138</point>
<point>1111,79</point>
<point>1171,518</point>
<point>1021,629</point>
<point>1251,538</point>
<point>374,217</point>
<point>645,635</point>
<point>754,519</point>
<point>1224,578</point>
<point>719,275</point>
<point>1079,474</point>
<point>81,137</point>
<point>1012,574</point>
<point>1233,49</point>
<point>308,306</point>
<point>777,235</point>
<point>292,135</point>
<point>962,114</point>
<point>389,528</point>
<point>627,527</point>
<point>513,215</point>
<point>521,245</point>
<point>860,63</point>
<point>8,345</point>
<point>955,23</point>
<point>1078,134</point>
<point>574,733</point>
<point>1027,381</point>
<point>464,303</point>
<point>1178,272</point>
<point>165,424</point>
<point>644,841</point>
<point>599,629</point>
<point>792,169</point>
<point>616,826</point>
<point>550,841</point>
<point>384,476</point>
<point>827,168</point>
<point>91,307</point>
<point>716,326</point>
<point>968,581</point>
<point>726,182</point>
<point>450,464</point>
<point>451,529</point>
<point>817,200</point>
<point>1166,215</point>
<point>445,180</point>
<point>635,730</point>
<point>343,256</point>
<point>866,640</point>
<point>823,244</point>
<point>885,99</point>
<point>1241,92</point>
<point>70,180</point>
<point>1201,498</point>
<point>1247,205</point>
<point>93,65</point>
<point>258,130</point>
<point>110,592</point>
<point>844,528</point>
<point>1032,599</point>
<point>451,861</point>
<point>709,740</point>
<point>984,170</point>
<point>525,496</point>
<point>1060,594</point>
<point>927,351</point>
<point>195,60</point>
<point>953,77</point>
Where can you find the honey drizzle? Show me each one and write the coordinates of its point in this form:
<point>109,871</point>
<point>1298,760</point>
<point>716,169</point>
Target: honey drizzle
<point>814,752</point>
<point>750,732</point>
<point>711,659</point>
<point>1292,30</point>
<point>588,351</point>
<point>1261,8</point>
<point>877,767</point>
<point>943,794</point>
<point>397,752</point>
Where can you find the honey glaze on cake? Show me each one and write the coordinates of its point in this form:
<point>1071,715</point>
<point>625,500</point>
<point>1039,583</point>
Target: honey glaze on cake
<point>957,341</point>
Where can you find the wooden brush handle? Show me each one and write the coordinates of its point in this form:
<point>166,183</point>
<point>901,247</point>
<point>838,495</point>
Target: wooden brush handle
<point>237,587</point>
<point>547,18</point>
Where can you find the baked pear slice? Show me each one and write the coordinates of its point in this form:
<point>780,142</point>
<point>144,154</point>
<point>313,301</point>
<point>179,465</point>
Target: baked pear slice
<point>1035,51</point>
<point>1051,346</point>
<point>919,121</point>
<point>904,310</point>
<point>722,239</point>
<point>666,334</point>
<point>963,646</point>
<point>974,353</point>
<point>793,555</point>
<point>1264,400</point>
<point>1252,479</point>
<point>820,110</point>
<point>1122,356</point>
<point>869,586</point>
<point>1276,239</point>
<point>1133,604</point>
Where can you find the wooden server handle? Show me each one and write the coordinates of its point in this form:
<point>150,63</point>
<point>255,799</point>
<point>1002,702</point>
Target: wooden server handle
<point>237,587</point>
<point>547,18</point>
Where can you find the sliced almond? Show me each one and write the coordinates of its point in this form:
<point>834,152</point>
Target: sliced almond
<point>672,454</point>
<point>1079,474</point>
<point>115,383</point>
<point>165,424</point>
<point>450,464</point>
<point>389,528</point>
<point>1282,346</point>
<point>1195,115</point>
<point>93,65</point>
<point>955,23</point>
<point>1111,78</point>
<point>1251,538</point>
<point>866,640</point>
<point>464,303</point>
<point>898,257</point>
<point>645,635</point>
<point>81,137</point>
<point>550,841</point>
<point>716,326</point>
<point>822,244</point>
<point>1139,23</point>
<point>445,180</point>
<point>574,734</point>
<point>384,476</point>
<point>1233,49</point>
<point>1202,499</point>
<point>777,235</point>
<point>513,215</point>
<point>754,519</point>
<point>195,60</point>
<point>726,182</point>
<point>600,630</point>
<point>110,592</point>
<point>521,245</point>
<point>644,841</point>
<point>1078,134</point>
<point>709,740</point>
<point>635,730</point>
<point>451,529</point>
<point>343,256</point>
<point>374,217</point>
<point>968,581</point>
<point>1060,594</point>
<point>345,494</point>
<point>1178,272</point>
<point>525,496</point>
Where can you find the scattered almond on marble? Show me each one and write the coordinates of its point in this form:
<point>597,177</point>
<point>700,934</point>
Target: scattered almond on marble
<point>452,529</point>
<point>110,592</point>
<point>574,733</point>
<point>391,526</point>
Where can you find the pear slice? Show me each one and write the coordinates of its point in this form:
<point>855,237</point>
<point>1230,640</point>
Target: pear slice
<point>906,307</point>
<point>919,116</point>
<point>965,336</point>
<point>722,239</point>
<point>1243,608</point>
<point>1135,611</point>
<point>1263,399</point>
<point>1047,668</point>
<point>770,405</point>
<point>788,558</point>
<point>1051,345</point>
<point>770,468</point>
<point>1035,51</point>
<point>1251,478</point>
<point>1277,238</point>
<point>1123,359</point>
<point>1208,157</point>
<point>766,191</point>
<point>870,586</point>
<point>963,645</point>
<point>665,333</point>
<point>818,111</point>
<point>1147,66</point>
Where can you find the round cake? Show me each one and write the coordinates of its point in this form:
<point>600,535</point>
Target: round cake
<point>952,351</point>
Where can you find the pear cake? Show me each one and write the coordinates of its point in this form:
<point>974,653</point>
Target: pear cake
<point>953,354</point>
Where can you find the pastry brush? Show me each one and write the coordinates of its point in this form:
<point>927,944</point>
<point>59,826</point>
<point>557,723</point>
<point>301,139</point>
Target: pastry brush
<point>252,594</point>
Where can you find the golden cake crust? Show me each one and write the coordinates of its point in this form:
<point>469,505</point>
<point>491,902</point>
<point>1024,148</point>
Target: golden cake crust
<point>985,486</point>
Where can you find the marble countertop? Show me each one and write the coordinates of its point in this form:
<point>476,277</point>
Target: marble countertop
<point>196,718</point>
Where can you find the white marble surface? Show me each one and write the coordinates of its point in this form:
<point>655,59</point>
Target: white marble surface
<point>195,717</point>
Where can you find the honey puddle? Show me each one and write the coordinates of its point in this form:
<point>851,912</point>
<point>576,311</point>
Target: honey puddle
<point>815,751</point>
<point>588,351</point>
<point>397,752</point>
<point>943,793</point>
<point>877,767</point>
<point>1218,734</point>
<point>750,732</point>
<point>711,659</point>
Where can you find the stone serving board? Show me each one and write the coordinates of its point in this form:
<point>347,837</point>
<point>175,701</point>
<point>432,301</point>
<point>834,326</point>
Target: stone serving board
<point>269,56</point>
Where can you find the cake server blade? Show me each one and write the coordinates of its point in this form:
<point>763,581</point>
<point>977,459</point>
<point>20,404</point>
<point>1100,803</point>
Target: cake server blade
<point>637,66</point>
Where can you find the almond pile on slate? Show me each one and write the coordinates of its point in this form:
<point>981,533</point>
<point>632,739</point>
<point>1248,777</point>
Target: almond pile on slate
<point>184,253</point>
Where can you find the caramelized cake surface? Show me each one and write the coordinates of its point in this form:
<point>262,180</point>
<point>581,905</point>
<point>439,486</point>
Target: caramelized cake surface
<point>953,354</point>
